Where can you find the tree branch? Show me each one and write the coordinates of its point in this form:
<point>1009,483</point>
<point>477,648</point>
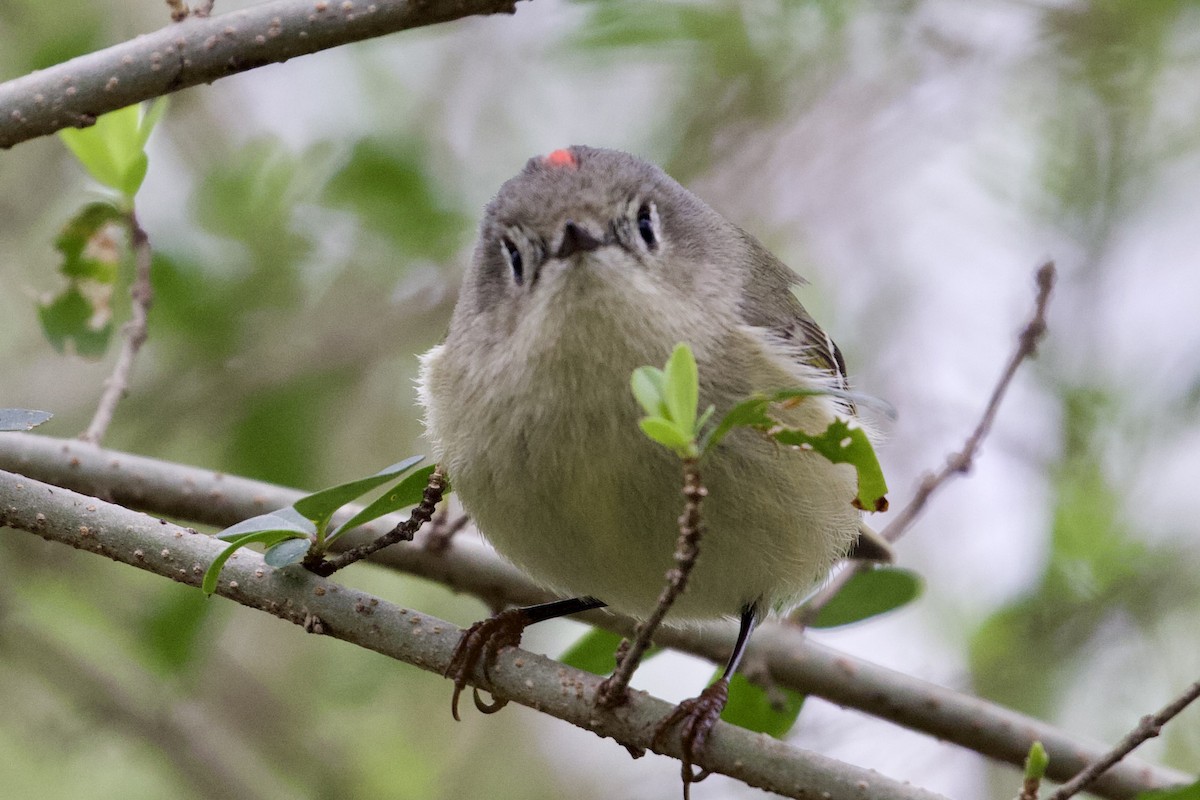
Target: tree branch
<point>204,49</point>
<point>221,500</point>
<point>1147,728</point>
<point>302,598</point>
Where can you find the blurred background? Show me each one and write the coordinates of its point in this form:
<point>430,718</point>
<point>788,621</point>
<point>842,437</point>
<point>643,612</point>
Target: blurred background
<point>915,160</point>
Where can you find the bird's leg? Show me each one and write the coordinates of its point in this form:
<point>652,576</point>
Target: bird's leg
<point>485,638</point>
<point>697,716</point>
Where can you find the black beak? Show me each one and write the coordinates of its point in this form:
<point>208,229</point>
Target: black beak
<point>576,240</point>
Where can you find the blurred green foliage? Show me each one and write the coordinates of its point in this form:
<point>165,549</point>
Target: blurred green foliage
<point>298,271</point>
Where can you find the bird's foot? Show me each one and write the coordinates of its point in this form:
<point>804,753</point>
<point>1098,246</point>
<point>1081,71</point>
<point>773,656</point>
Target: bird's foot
<point>483,640</point>
<point>695,717</point>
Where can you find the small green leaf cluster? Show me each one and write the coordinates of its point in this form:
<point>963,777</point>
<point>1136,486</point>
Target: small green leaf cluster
<point>669,398</point>
<point>113,151</point>
<point>670,395</point>
<point>302,530</point>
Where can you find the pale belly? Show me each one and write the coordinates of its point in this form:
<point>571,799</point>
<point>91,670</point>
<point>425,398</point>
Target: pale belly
<point>577,496</point>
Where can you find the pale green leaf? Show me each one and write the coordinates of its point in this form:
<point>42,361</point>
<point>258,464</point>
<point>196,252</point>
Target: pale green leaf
<point>647,385</point>
<point>668,434</point>
<point>682,389</point>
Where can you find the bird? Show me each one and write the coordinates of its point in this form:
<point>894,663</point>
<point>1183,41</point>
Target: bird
<point>588,264</point>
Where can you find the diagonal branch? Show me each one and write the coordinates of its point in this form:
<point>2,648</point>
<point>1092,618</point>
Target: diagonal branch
<point>961,462</point>
<point>202,49</point>
<point>793,660</point>
<point>1147,728</point>
<point>958,463</point>
<point>322,606</point>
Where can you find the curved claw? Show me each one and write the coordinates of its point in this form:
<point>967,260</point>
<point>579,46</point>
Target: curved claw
<point>483,640</point>
<point>696,717</point>
<point>486,707</point>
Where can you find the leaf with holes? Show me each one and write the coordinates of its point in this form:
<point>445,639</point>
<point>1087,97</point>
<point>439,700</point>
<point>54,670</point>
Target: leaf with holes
<point>77,321</point>
<point>844,442</point>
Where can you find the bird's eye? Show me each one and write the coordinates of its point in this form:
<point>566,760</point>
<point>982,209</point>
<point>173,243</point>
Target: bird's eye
<point>513,256</point>
<point>645,225</point>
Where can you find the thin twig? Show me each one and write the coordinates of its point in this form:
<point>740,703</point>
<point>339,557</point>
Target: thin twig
<point>203,8</point>
<point>142,295</point>
<point>442,530</point>
<point>403,532</point>
<point>961,462</point>
<point>1147,728</point>
<point>687,547</point>
<point>958,463</point>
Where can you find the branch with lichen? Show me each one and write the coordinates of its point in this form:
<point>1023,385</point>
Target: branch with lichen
<point>324,607</point>
<point>203,49</point>
<point>213,498</point>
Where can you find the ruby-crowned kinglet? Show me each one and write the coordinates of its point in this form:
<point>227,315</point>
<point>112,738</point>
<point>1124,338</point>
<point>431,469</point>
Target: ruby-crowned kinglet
<point>591,263</point>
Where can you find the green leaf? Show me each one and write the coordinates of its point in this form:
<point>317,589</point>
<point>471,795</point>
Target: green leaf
<point>72,318</point>
<point>111,150</point>
<point>1036,762</point>
<point>289,551</point>
<point>22,419</point>
<point>752,412</point>
<point>269,538</point>
<point>668,434</point>
<point>99,263</point>
<point>751,707</point>
<point>1189,792</point>
<point>321,506</point>
<point>596,651</point>
<point>682,388</point>
<point>846,443</point>
<point>869,593</point>
<point>647,385</point>
<point>280,521</point>
<point>408,492</point>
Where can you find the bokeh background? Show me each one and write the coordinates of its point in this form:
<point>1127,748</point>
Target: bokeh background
<point>915,160</point>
